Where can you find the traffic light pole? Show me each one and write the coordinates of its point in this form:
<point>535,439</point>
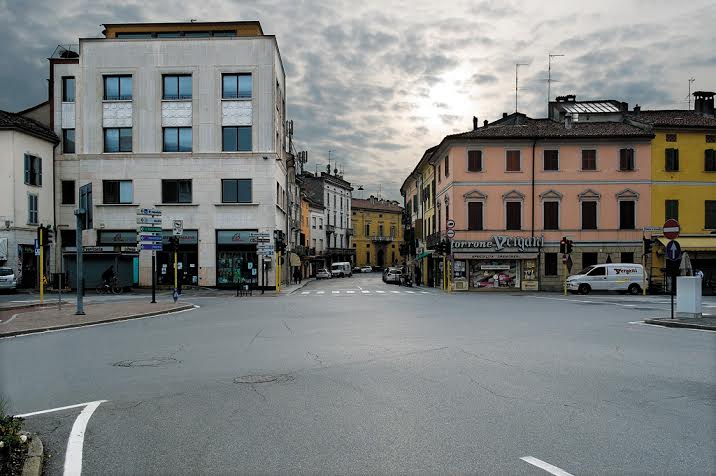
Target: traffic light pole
<point>154,277</point>
<point>176,271</point>
<point>41,267</point>
<point>79,215</point>
<point>643,264</point>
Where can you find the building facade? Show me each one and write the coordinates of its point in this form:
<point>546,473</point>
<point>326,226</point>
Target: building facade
<point>26,193</point>
<point>378,232</point>
<point>188,118</point>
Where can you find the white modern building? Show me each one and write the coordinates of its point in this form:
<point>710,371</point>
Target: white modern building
<point>26,192</point>
<point>188,118</point>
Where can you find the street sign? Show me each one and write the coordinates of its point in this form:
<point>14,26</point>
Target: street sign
<point>37,248</point>
<point>150,246</point>
<point>263,240</point>
<point>143,238</point>
<point>149,229</point>
<point>451,233</point>
<point>673,250</point>
<point>178,227</point>
<point>652,228</point>
<point>148,211</point>
<point>451,224</point>
<point>150,233</point>
<point>671,229</point>
<point>256,234</point>
<point>145,220</point>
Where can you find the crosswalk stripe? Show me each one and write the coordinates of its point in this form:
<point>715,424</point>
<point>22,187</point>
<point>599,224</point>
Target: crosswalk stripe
<point>365,292</point>
<point>424,292</point>
<point>395,292</point>
<point>306,292</point>
<point>380,292</point>
<point>350,292</point>
<point>410,292</point>
<point>320,292</point>
<point>335,292</point>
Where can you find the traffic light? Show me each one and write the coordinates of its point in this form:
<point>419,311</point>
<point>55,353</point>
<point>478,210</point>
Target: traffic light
<point>173,243</point>
<point>282,246</point>
<point>448,247</point>
<point>648,242</point>
<point>569,246</point>
<point>49,236</point>
<point>563,245</point>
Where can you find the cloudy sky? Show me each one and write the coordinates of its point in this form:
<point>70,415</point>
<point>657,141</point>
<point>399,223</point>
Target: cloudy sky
<point>378,82</point>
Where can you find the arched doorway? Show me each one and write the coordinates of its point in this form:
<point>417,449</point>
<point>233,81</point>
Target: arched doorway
<point>381,257</point>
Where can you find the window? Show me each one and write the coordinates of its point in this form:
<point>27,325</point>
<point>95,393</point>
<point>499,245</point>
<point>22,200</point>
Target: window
<point>197,34</point>
<point>474,160</point>
<point>447,213</point>
<point>118,88</point>
<point>512,161</point>
<point>313,223</point>
<point>118,139</point>
<point>447,166</point>
<point>514,215</point>
<point>236,86</point>
<point>550,264</point>
<point>31,209</point>
<point>438,172</point>
<point>671,157</point>
<point>710,160</point>
<point>380,229</point>
<point>236,139</point>
<point>474,216</point>
<point>671,209</point>
<point>626,159</point>
<point>68,89</point>
<point>320,224</point>
<point>589,159</point>
<point>177,86</point>
<point>134,36</point>
<point>33,170</point>
<point>68,192</point>
<point>68,141</point>
<point>551,215</point>
<point>710,138</point>
<point>367,229</point>
<point>415,204</point>
<point>627,218</point>
<point>551,160</point>
<point>116,191</point>
<point>236,191</point>
<point>367,256</point>
<point>670,137</point>
<point>590,259</point>
<point>710,219</point>
<point>176,191</point>
<point>627,257</point>
<point>177,139</point>
<point>392,231</point>
<point>589,215</point>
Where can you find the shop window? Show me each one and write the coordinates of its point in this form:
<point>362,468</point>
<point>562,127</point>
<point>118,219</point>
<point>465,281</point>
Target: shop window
<point>671,160</point>
<point>551,215</point>
<point>68,192</point>
<point>550,264</point>
<point>627,257</point>
<point>589,215</point>
<point>589,159</point>
<point>551,160</point>
<point>514,215</point>
<point>710,219</point>
<point>474,216</point>
<point>671,208</point>
<point>710,160</point>
<point>512,161</point>
<point>176,191</point>
<point>236,191</point>
<point>627,215</point>
<point>117,191</point>
<point>474,160</point>
<point>589,259</point>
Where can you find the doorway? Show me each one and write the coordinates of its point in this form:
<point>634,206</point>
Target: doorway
<point>381,257</point>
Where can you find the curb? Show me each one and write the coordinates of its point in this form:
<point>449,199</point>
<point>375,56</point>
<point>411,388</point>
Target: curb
<point>300,286</point>
<point>103,321</point>
<point>34,458</point>
<point>684,325</point>
<point>29,305</point>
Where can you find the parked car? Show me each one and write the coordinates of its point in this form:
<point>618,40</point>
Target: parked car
<point>366,269</point>
<point>341,270</point>
<point>624,277</point>
<point>393,276</point>
<point>323,273</point>
<point>357,269</point>
<point>7,279</point>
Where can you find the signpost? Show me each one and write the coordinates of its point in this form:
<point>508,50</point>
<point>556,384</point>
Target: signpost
<point>451,233</point>
<point>149,238</point>
<point>178,227</point>
<point>673,253</point>
<point>671,229</point>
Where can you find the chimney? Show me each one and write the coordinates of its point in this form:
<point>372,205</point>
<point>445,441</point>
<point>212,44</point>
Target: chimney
<point>504,115</point>
<point>637,108</point>
<point>704,102</point>
<point>474,122</point>
<point>562,114</point>
<point>568,121</point>
<point>484,123</point>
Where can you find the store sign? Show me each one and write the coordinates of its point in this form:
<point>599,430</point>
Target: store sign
<point>188,237</point>
<point>117,237</point>
<point>495,255</point>
<point>500,242</point>
<point>235,237</point>
<point>494,266</point>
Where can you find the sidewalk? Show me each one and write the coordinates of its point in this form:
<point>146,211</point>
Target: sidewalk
<point>292,288</point>
<point>49,317</point>
<point>703,323</point>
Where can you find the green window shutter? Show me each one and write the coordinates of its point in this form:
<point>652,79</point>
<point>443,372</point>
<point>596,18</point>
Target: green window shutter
<point>27,168</point>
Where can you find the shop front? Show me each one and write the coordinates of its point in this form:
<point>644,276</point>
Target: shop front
<point>237,262</point>
<point>187,258</point>
<point>502,263</point>
<point>701,251</point>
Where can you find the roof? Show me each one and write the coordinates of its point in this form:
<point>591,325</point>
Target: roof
<point>9,120</point>
<point>376,204</point>
<point>596,106</point>
<point>672,118</point>
<point>250,27</point>
<point>313,189</point>
<point>32,108</point>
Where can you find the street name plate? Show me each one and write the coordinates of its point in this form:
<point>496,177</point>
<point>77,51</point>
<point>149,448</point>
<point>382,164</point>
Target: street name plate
<point>150,246</point>
<point>148,220</point>
<point>149,229</point>
<point>148,211</point>
<point>143,238</point>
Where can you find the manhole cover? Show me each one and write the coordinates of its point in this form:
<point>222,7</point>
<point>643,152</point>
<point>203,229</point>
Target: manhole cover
<point>153,362</point>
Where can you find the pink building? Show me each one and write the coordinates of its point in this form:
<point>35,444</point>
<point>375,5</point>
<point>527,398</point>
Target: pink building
<point>514,188</point>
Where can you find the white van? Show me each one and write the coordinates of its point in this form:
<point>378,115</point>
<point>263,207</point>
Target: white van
<point>624,277</point>
<point>341,270</point>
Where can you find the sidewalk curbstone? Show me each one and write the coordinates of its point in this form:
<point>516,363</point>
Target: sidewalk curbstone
<point>677,323</point>
<point>34,458</point>
<point>103,321</point>
<point>300,286</point>
<point>14,306</point>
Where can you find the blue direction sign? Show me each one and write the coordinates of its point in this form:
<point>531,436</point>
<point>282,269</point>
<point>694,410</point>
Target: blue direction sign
<point>150,247</point>
<point>673,250</point>
<point>150,238</point>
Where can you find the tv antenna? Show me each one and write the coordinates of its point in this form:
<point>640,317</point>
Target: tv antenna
<point>691,80</point>
<point>517,67</point>
<point>549,75</point>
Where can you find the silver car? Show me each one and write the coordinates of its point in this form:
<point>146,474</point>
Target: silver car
<point>323,273</point>
<point>393,276</point>
<point>8,279</point>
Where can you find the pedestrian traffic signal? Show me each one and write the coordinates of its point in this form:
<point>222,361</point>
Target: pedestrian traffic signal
<point>448,247</point>
<point>563,245</point>
<point>569,246</point>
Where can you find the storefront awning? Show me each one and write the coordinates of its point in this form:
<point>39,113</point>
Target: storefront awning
<point>694,243</point>
<point>424,254</point>
<point>295,260</point>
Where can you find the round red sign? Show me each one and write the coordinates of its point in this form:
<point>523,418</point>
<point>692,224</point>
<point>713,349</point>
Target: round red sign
<point>671,229</point>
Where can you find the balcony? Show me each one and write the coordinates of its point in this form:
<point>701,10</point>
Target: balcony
<point>382,239</point>
<point>330,229</point>
<point>432,240</point>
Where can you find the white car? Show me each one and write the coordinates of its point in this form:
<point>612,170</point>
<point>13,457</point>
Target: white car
<point>323,273</point>
<point>366,269</point>
<point>393,276</point>
<point>8,279</point>
<point>624,277</point>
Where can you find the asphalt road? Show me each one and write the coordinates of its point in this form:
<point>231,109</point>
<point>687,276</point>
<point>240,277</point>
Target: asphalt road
<point>355,380</point>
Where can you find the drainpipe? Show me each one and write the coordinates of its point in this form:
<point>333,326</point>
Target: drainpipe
<point>534,143</point>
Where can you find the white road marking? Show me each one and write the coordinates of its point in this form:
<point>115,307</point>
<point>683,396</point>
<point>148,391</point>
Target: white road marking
<point>545,466</point>
<point>306,292</point>
<point>410,292</point>
<point>365,292</point>
<point>10,320</point>
<point>350,292</point>
<point>395,292</point>
<point>51,410</point>
<point>73,455</point>
<point>320,292</point>
<point>335,292</point>
<point>424,292</point>
<point>380,292</point>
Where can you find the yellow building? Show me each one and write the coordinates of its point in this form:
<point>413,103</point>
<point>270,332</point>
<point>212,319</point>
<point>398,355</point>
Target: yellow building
<point>683,173</point>
<point>378,231</point>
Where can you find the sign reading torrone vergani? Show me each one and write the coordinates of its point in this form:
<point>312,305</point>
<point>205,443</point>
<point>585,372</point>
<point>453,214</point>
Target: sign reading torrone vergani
<point>501,242</point>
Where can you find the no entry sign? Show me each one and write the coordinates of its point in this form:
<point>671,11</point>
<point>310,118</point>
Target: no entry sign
<point>671,229</point>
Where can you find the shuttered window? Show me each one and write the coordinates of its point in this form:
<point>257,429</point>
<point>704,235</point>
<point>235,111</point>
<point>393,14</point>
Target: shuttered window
<point>671,160</point>
<point>551,215</point>
<point>627,218</point>
<point>514,215</point>
<point>512,161</point>
<point>710,160</point>
<point>474,216</point>
<point>551,160</point>
<point>589,215</point>
<point>671,209</point>
<point>626,159</point>
<point>474,160</point>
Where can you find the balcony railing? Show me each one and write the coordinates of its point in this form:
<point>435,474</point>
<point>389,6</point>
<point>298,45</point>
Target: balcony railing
<point>330,229</point>
<point>382,239</point>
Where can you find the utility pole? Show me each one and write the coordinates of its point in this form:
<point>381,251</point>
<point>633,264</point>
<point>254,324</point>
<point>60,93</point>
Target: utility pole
<point>80,219</point>
<point>691,80</point>
<point>517,67</point>
<point>549,76</point>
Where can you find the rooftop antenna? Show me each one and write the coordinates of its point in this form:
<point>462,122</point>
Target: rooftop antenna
<point>517,67</point>
<point>549,75</point>
<point>691,80</point>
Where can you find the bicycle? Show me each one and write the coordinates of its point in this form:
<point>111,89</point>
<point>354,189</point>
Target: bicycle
<point>112,287</point>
